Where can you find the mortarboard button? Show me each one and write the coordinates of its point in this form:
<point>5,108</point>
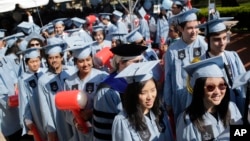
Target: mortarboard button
<point>138,72</point>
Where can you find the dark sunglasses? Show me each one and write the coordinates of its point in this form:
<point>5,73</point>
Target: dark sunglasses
<point>36,44</point>
<point>211,87</point>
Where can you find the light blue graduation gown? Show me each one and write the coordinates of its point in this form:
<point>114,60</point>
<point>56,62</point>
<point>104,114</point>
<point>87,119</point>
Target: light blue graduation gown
<point>123,131</point>
<point>54,119</point>
<point>178,55</point>
<point>162,30</point>
<point>14,63</point>
<point>89,86</point>
<point>144,29</point>
<point>107,104</point>
<point>232,59</point>
<point>9,116</point>
<point>29,107</point>
<point>186,131</point>
<point>85,36</point>
<point>121,28</point>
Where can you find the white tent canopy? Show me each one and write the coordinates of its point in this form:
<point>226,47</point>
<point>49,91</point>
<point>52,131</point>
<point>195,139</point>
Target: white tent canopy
<point>10,5</point>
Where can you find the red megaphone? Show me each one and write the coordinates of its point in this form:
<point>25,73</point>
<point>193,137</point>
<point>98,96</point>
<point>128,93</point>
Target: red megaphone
<point>91,19</point>
<point>102,57</point>
<point>73,100</point>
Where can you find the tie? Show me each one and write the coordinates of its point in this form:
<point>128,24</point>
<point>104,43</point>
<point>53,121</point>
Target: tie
<point>36,74</point>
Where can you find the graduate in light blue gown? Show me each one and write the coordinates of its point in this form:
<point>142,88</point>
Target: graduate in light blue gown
<point>29,108</point>
<point>85,79</point>
<point>109,27</point>
<point>144,27</point>
<point>117,19</point>
<point>107,102</point>
<point>181,53</point>
<point>9,115</point>
<point>49,84</point>
<point>143,117</point>
<point>210,112</point>
<point>162,23</point>
<point>216,35</point>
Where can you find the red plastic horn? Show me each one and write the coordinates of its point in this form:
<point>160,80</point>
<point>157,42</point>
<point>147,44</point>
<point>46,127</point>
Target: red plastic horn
<point>91,19</point>
<point>103,57</point>
<point>73,100</point>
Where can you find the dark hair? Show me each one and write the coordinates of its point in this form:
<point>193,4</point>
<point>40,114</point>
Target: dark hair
<point>197,109</point>
<point>103,33</point>
<point>133,109</point>
<point>35,39</point>
<point>27,60</point>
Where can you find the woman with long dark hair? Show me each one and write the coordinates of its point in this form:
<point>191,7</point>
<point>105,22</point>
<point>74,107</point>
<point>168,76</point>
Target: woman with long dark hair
<point>210,112</point>
<point>143,117</point>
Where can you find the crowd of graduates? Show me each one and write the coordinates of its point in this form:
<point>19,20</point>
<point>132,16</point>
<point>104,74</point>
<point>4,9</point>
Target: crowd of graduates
<point>122,76</point>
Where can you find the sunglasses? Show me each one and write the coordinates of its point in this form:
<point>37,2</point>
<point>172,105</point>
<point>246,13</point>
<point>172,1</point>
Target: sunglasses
<point>36,44</point>
<point>211,87</point>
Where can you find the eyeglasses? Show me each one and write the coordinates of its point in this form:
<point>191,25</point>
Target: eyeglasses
<point>36,44</point>
<point>211,87</point>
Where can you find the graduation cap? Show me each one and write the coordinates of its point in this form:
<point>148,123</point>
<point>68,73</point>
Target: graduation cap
<point>211,67</point>
<point>105,15</point>
<point>189,15</point>
<point>71,31</point>
<point>28,27</point>
<point>128,50</point>
<point>23,45</point>
<point>79,48</point>
<point>78,22</point>
<point>33,52</point>
<point>117,13</point>
<point>2,33</point>
<point>177,2</point>
<point>142,12</point>
<point>116,36</point>
<point>34,35</point>
<point>13,38</point>
<point>138,72</point>
<point>215,25</point>
<point>55,40</point>
<point>241,79</point>
<point>133,35</point>
<point>167,4</point>
<point>59,21</point>
<point>98,28</point>
<point>48,27</point>
<point>54,48</point>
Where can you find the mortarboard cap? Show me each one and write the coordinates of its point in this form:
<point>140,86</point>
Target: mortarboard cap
<point>241,79</point>
<point>55,40</point>
<point>105,15</point>
<point>2,33</point>
<point>33,52</point>
<point>189,15</point>
<point>54,48</point>
<point>34,35</point>
<point>133,36</point>
<point>59,21</point>
<point>117,13</point>
<point>13,38</point>
<point>48,27</point>
<point>128,50</point>
<point>177,2</point>
<point>138,72</point>
<point>167,4</point>
<point>78,22</point>
<point>211,67</point>
<point>23,45</point>
<point>28,27</point>
<point>79,48</point>
<point>142,12</point>
<point>215,25</point>
<point>72,31</point>
<point>98,28</point>
<point>116,36</point>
